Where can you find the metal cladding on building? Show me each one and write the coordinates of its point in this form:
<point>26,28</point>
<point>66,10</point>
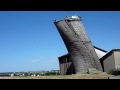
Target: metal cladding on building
<point>78,44</point>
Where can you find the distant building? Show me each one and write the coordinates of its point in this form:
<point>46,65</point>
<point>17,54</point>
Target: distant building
<point>111,61</point>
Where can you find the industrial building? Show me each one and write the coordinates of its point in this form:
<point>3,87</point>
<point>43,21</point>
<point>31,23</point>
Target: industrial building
<point>66,65</point>
<point>111,61</point>
<point>79,46</point>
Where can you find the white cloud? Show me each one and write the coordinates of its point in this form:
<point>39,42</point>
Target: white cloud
<point>35,60</point>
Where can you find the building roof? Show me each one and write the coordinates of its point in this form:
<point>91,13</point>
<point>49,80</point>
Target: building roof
<point>108,54</point>
<point>100,49</point>
<point>64,55</point>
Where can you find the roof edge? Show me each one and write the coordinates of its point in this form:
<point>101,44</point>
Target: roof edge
<point>105,56</point>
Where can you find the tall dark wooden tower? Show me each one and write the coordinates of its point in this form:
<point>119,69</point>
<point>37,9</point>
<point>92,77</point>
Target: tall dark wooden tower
<point>78,44</point>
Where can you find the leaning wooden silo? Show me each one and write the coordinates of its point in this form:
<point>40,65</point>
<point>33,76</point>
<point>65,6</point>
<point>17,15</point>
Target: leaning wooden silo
<point>78,44</point>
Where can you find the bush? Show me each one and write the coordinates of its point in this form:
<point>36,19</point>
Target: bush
<point>52,73</point>
<point>93,71</point>
<point>114,72</point>
<point>110,72</point>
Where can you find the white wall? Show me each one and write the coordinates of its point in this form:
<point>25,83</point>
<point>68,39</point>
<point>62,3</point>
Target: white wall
<point>117,59</point>
<point>100,53</point>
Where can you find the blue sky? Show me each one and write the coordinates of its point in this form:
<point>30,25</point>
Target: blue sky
<point>29,40</point>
